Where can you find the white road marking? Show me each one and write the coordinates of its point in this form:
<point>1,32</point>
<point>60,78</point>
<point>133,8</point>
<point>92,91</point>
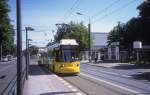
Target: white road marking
<point>126,76</point>
<point>74,89</point>
<point>112,84</point>
<point>69,86</point>
<point>60,79</point>
<point>66,83</point>
<point>79,94</point>
<point>111,73</point>
<point>63,81</point>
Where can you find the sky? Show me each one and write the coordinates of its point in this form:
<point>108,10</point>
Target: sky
<point>42,15</point>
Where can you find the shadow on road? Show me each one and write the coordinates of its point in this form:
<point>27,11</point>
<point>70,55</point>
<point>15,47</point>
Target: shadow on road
<point>142,76</point>
<point>37,70</point>
<point>68,75</point>
<point>132,66</point>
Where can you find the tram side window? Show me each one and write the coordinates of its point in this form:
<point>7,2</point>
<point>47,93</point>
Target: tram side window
<point>51,55</point>
<point>75,55</point>
<point>58,56</point>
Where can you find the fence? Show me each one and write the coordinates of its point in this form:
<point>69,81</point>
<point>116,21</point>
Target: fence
<point>11,87</point>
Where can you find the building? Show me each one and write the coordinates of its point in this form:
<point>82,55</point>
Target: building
<point>98,46</point>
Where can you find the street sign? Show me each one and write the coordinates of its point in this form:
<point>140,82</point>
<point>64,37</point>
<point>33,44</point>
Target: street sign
<point>115,44</point>
<point>137,44</point>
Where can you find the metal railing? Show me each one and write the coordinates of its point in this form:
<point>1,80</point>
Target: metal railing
<point>11,88</point>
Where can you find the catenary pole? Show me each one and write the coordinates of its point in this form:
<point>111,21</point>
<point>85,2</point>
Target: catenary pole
<point>89,30</point>
<point>26,52</point>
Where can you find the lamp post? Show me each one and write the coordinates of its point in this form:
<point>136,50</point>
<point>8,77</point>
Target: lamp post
<point>89,30</point>
<point>1,51</point>
<point>137,45</point>
<point>27,49</point>
<point>19,47</point>
<point>0,47</point>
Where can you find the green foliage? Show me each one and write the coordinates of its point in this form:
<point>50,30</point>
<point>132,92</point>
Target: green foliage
<point>136,29</point>
<point>73,31</point>
<point>33,50</point>
<point>145,9</point>
<point>6,29</point>
<point>117,34</point>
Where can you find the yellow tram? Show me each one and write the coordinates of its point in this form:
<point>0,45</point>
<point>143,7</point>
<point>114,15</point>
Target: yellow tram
<point>63,57</point>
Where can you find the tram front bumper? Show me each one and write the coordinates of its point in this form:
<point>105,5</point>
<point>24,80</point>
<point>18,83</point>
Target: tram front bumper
<point>69,70</point>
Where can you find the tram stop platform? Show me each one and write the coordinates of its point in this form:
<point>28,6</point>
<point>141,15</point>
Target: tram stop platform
<point>43,82</point>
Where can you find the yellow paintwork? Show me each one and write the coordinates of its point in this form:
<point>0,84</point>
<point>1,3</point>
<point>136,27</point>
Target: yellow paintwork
<point>62,67</point>
<point>66,67</point>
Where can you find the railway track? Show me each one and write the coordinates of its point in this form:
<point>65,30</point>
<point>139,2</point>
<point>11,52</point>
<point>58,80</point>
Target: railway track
<point>92,86</point>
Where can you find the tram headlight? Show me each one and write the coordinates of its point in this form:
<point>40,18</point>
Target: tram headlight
<point>77,65</point>
<point>62,65</point>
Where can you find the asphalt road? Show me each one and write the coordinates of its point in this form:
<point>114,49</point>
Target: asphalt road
<point>8,73</point>
<point>107,81</point>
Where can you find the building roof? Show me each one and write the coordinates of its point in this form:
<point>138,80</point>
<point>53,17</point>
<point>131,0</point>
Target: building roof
<point>99,38</point>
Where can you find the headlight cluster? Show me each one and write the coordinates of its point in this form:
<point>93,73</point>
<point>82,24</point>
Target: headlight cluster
<point>62,65</point>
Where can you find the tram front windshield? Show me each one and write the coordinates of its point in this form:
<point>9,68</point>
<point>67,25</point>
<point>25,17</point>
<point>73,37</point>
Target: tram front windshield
<point>69,53</point>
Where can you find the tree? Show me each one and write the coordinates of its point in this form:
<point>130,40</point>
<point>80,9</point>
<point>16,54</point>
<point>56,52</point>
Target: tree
<point>144,13</point>
<point>117,34</point>
<point>136,29</point>
<point>73,31</point>
<point>6,29</point>
<point>144,9</point>
<point>33,50</point>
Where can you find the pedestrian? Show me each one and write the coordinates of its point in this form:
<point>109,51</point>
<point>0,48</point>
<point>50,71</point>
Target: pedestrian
<point>95,59</point>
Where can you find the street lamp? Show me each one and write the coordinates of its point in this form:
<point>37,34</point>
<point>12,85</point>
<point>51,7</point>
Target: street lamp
<point>137,45</point>
<point>19,47</point>
<point>27,49</point>
<point>1,47</point>
<point>61,24</point>
<point>89,30</point>
<point>29,40</point>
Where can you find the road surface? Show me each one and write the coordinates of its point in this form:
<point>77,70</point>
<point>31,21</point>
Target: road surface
<point>8,72</point>
<point>106,81</point>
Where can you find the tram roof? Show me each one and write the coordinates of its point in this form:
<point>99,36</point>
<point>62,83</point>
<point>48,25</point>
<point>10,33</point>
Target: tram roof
<point>68,42</point>
<point>64,42</point>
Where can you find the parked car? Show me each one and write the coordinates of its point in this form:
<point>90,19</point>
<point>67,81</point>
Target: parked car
<point>9,57</point>
<point>4,59</point>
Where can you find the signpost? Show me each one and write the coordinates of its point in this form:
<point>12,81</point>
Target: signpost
<point>137,45</point>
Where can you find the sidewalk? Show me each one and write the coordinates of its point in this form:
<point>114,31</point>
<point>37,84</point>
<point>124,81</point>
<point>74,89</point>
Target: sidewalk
<point>47,83</point>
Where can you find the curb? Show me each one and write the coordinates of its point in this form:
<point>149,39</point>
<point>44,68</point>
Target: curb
<point>94,65</point>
